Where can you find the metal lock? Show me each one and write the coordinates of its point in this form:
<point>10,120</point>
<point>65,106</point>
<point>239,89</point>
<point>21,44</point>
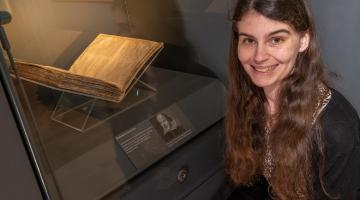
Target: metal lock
<point>183,174</point>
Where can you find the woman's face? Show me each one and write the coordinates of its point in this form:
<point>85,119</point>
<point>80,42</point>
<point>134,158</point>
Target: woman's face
<point>267,49</point>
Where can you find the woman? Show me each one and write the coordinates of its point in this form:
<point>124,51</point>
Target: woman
<point>288,135</point>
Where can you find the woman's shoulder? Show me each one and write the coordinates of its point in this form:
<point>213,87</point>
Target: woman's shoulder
<point>340,123</point>
<point>341,130</point>
<point>339,111</point>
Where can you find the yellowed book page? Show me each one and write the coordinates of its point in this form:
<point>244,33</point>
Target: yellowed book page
<point>63,80</point>
<point>115,59</point>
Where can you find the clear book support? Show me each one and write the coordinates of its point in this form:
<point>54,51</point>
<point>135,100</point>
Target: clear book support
<point>83,113</point>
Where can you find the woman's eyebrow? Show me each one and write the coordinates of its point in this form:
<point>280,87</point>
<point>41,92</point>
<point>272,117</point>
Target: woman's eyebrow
<point>246,35</point>
<point>270,34</point>
<point>279,31</point>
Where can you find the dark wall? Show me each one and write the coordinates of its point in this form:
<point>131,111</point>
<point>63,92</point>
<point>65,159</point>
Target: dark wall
<point>338,24</point>
<point>55,32</point>
<point>17,177</point>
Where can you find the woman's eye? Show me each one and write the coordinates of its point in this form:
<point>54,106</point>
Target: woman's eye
<point>248,41</point>
<point>276,41</point>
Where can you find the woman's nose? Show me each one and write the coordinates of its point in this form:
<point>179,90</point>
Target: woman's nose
<point>261,54</point>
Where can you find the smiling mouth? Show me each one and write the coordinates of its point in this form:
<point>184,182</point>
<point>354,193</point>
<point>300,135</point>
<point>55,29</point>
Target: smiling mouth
<point>264,69</point>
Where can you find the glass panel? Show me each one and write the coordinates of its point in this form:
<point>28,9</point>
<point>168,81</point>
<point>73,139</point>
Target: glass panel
<point>89,148</point>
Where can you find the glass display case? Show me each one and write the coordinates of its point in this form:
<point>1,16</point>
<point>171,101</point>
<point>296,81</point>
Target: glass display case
<point>163,140</point>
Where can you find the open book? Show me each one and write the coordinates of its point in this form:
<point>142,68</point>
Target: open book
<point>107,69</point>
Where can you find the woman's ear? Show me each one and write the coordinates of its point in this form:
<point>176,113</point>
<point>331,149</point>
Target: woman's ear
<point>304,41</point>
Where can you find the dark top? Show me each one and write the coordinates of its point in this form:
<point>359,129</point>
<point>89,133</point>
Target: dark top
<point>341,130</point>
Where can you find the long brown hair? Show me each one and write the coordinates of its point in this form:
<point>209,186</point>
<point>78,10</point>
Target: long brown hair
<point>294,137</point>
